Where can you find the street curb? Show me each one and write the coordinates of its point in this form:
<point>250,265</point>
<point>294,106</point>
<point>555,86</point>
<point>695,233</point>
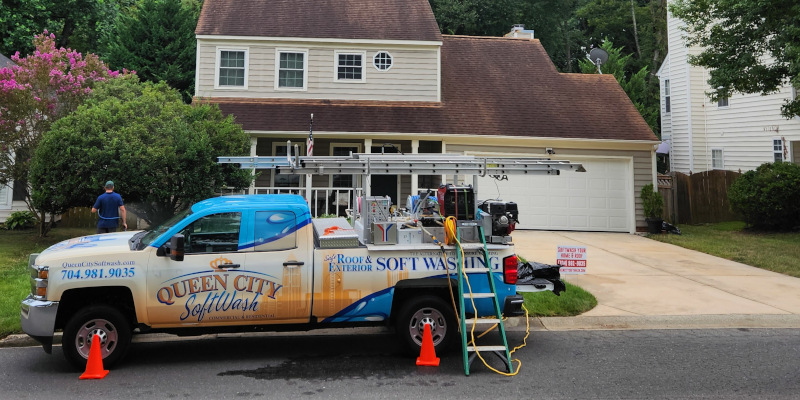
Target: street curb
<point>514,324</point>
<point>727,321</point>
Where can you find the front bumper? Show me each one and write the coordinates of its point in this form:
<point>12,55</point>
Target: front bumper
<point>38,320</point>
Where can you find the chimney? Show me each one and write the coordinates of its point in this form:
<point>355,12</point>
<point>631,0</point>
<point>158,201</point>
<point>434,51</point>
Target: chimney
<point>519,31</point>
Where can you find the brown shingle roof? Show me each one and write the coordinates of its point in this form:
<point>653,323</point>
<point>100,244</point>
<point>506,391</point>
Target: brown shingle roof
<point>338,19</point>
<point>490,86</point>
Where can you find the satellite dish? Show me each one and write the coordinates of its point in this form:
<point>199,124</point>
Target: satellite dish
<point>598,57</point>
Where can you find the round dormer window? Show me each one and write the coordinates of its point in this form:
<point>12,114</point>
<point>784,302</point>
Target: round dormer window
<point>382,61</point>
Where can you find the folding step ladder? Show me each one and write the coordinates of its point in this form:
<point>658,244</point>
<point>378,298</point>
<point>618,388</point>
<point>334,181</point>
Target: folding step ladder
<point>470,352</point>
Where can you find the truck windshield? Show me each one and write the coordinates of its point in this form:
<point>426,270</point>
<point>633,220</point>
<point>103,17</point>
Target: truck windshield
<point>151,235</point>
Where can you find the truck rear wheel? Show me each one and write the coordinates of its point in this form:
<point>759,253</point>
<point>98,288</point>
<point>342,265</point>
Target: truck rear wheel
<point>419,311</point>
<point>96,322</point>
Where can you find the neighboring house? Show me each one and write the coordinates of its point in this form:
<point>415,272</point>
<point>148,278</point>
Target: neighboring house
<point>10,200</point>
<point>738,133</point>
<point>380,77</point>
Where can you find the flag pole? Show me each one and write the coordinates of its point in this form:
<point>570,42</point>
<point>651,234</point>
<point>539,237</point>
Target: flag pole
<point>310,152</point>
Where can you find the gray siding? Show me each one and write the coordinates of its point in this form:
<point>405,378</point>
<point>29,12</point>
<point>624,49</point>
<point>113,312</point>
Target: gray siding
<point>414,75</point>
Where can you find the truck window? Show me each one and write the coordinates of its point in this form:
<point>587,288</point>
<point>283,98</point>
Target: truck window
<point>275,230</point>
<point>213,233</point>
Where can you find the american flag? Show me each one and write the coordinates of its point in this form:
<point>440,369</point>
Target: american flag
<point>310,142</point>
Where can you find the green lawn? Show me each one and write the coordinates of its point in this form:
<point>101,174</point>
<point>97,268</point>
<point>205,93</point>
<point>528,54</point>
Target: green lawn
<point>779,252</point>
<point>573,301</point>
<point>15,246</point>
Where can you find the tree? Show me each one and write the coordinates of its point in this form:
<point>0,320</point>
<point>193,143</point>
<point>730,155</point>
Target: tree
<point>157,41</point>
<point>767,197</point>
<point>160,152</point>
<point>748,46</point>
<point>634,85</point>
<point>39,90</point>
<point>76,22</point>
<point>477,17</point>
<point>553,20</point>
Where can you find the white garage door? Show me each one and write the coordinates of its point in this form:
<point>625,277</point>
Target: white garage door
<point>599,199</point>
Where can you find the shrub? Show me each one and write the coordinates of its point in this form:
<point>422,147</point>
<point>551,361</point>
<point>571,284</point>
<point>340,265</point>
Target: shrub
<point>768,197</point>
<point>652,202</point>
<point>20,220</point>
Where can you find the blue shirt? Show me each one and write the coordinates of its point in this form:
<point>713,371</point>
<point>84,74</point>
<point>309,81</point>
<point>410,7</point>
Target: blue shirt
<point>107,206</point>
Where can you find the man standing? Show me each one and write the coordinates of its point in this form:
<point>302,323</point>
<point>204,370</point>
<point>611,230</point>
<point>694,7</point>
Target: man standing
<point>109,207</point>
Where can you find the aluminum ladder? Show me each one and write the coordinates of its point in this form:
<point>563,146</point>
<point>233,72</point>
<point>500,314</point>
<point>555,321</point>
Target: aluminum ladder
<point>470,352</point>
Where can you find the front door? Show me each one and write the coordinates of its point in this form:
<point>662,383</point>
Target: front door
<point>384,185</point>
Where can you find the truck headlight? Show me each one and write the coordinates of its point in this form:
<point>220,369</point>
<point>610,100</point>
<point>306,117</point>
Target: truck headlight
<point>39,276</point>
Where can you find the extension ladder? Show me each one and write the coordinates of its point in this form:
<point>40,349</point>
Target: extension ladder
<point>471,350</point>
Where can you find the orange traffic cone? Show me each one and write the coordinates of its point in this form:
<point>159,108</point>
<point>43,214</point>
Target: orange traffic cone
<point>94,366</point>
<point>427,354</point>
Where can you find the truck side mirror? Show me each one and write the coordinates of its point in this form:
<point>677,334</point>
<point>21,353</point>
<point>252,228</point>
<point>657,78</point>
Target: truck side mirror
<point>176,247</point>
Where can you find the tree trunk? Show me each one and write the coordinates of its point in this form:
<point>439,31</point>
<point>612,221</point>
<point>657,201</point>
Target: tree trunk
<point>568,53</point>
<point>635,31</point>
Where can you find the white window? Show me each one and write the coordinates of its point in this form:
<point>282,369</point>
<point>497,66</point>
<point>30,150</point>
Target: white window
<point>344,149</point>
<point>286,180</point>
<point>292,70</point>
<point>667,105</point>
<point>717,159</point>
<point>350,67</point>
<point>382,61</point>
<point>5,197</point>
<point>777,149</point>
<point>231,68</point>
<point>723,102</point>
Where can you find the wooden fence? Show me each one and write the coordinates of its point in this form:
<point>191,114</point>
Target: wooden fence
<point>697,198</point>
<point>82,217</point>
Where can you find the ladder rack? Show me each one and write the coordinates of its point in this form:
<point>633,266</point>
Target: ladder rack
<point>398,164</point>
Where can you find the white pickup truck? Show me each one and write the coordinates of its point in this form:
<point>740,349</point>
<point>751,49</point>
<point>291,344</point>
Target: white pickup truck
<point>249,263</point>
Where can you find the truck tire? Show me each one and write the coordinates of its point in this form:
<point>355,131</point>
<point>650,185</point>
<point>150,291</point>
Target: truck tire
<point>419,311</point>
<point>96,322</point>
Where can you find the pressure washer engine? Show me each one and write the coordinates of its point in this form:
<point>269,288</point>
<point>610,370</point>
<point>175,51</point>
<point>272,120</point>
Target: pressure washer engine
<point>504,217</point>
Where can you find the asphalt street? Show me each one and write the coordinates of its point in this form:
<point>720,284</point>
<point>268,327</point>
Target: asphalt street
<point>623,364</point>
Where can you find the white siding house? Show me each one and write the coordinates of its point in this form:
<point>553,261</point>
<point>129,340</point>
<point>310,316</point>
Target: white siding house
<point>738,134</point>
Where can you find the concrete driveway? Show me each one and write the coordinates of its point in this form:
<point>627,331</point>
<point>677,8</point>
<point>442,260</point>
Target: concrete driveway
<point>644,283</point>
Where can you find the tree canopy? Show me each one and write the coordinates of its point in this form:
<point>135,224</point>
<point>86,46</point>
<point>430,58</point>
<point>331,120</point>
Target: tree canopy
<point>160,152</point>
<point>39,90</point>
<point>748,46</point>
<point>635,85</point>
<point>157,41</point>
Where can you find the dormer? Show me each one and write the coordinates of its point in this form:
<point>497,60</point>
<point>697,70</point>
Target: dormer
<point>378,50</point>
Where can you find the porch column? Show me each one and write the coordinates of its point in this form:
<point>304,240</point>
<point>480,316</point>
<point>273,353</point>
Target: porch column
<point>414,177</point>
<point>367,179</point>
<point>253,145</point>
<point>444,151</point>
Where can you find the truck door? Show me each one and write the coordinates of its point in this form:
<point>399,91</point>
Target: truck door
<point>230,275</point>
<point>282,256</point>
<point>200,289</point>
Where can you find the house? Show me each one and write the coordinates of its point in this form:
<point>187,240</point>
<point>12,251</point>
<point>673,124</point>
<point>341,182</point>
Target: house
<point>10,200</point>
<point>737,133</point>
<point>378,76</point>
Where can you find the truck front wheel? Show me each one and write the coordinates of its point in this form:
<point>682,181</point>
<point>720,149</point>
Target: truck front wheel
<point>96,322</point>
<point>426,310</point>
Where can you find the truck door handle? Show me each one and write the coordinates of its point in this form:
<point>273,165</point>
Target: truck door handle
<point>225,266</point>
<point>293,263</point>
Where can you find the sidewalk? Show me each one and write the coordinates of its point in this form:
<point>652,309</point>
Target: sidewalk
<point>645,284</point>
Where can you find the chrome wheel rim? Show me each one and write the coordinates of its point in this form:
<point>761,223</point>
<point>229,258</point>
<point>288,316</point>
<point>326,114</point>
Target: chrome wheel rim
<point>96,329</point>
<point>427,316</point>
